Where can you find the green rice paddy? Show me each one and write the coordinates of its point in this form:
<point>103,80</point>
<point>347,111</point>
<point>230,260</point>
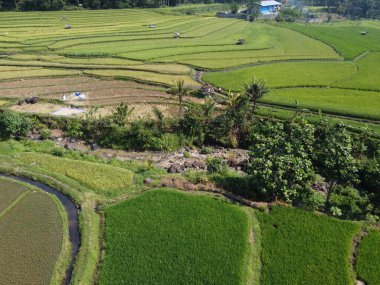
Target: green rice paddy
<point>31,235</point>
<point>300,247</point>
<point>167,237</point>
<point>368,260</point>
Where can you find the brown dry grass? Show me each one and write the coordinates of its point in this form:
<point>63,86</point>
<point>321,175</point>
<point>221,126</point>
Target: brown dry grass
<point>40,108</point>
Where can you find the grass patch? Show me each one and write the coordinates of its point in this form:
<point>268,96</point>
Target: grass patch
<point>100,177</point>
<point>368,259</point>
<point>300,247</point>
<point>167,237</point>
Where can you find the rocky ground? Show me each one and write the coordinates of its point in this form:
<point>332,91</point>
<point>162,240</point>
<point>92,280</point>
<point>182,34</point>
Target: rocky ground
<point>174,162</point>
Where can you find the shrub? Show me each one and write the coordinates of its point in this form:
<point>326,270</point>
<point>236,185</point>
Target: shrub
<point>206,150</point>
<point>45,134</point>
<point>216,165</point>
<point>352,205</point>
<point>74,128</point>
<point>313,201</point>
<point>370,178</point>
<point>13,124</point>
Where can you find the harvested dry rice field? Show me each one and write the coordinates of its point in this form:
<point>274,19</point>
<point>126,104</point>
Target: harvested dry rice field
<point>104,93</point>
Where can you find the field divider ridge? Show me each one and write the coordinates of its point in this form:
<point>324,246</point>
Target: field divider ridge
<point>14,203</point>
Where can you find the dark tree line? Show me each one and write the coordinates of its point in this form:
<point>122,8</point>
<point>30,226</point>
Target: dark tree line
<point>349,8</point>
<point>48,5</point>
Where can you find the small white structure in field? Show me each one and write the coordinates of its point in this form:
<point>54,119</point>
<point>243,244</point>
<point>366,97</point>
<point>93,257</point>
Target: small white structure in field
<point>76,96</point>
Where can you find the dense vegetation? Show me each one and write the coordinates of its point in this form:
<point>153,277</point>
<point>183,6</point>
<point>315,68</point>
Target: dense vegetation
<point>166,237</point>
<point>31,235</point>
<point>300,247</point>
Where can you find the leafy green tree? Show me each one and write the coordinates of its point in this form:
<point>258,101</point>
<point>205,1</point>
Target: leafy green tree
<point>252,9</point>
<point>234,7</point>
<point>280,160</point>
<point>13,124</point>
<point>334,156</point>
<point>180,90</point>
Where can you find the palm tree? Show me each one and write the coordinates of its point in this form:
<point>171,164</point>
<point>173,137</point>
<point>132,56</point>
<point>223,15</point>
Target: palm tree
<point>254,91</point>
<point>233,100</point>
<point>159,116</point>
<point>181,91</point>
<point>208,107</point>
<point>121,113</point>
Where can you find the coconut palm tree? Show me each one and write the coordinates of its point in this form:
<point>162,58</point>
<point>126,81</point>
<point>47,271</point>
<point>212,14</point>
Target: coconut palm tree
<point>121,113</point>
<point>181,91</point>
<point>159,116</point>
<point>254,91</point>
<point>208,107</point>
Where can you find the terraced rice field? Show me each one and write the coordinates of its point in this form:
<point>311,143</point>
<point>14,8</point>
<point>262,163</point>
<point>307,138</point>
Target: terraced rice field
<point>123,38</point>
<point>300,247</point>
<point>120,45</point>
<point>31,234</point>
<point>345,88</point>
<point>168,237</point>
<point>345,37</point>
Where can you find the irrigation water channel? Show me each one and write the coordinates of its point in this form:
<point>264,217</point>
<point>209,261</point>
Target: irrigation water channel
<point>72,216</point>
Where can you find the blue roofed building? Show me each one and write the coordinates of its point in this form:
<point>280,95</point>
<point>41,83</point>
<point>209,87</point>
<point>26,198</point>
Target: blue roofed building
<point>269,7</point>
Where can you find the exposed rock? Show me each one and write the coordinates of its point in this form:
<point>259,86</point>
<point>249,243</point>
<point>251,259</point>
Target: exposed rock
<point>320,186</point>
<point>233,162</point>
<point>187,164</point>
<point>94,146</point>
<point>33,100</point>
<point>176,168</point>
<point>148,181</point>
<point>21,102</point>
<point>199,164</point>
